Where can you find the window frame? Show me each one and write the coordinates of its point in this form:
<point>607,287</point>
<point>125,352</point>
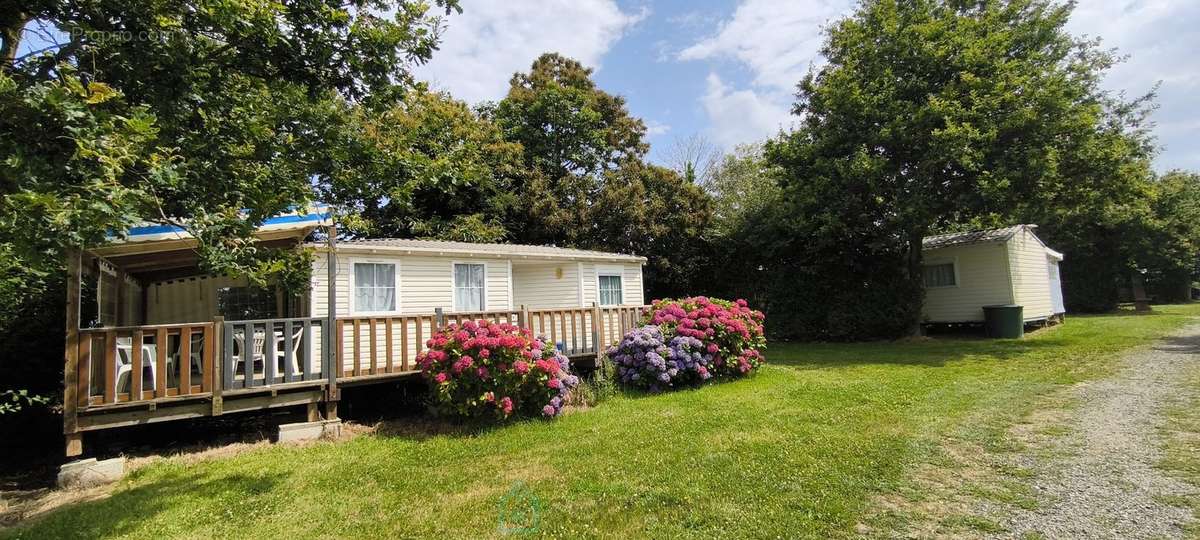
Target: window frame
<point>353,289</point>
<point>483,300</point>
<point>953,262</point>
<point>272,295</point>
<point>610,271</point>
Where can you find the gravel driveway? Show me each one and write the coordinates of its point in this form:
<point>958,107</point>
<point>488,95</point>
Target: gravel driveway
<point>1099,480</point>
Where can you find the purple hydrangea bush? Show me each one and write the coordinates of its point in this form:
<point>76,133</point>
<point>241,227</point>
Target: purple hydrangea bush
<point>645,360</point>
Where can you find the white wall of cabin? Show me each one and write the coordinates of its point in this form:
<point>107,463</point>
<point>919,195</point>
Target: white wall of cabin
<point>1031,275</point>
<point>983,279</point>
<point>546,284</point>
<point>425,283</point>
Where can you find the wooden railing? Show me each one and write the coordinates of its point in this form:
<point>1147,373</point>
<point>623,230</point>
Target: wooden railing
<point>576,331</point>
<point>381,345</point>
<point>265,352</point>
<point>114,362</point>
<point>458,317</point>
<point>260,354</point>
<point>569,329</point>
<point>616,321</point>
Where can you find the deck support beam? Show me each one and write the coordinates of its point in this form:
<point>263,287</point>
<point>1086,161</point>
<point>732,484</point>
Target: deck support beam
<point>74,439</point>
<point>332,355</point>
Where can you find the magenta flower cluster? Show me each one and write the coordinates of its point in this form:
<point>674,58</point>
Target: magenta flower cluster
<point>688,342</point>
<point>730,331</point>
<point>482,369</point>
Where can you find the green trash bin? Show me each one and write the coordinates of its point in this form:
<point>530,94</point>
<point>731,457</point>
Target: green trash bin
<point>1004,321</point>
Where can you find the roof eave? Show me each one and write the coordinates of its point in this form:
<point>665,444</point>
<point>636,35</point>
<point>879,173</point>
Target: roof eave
<point>410,250</point>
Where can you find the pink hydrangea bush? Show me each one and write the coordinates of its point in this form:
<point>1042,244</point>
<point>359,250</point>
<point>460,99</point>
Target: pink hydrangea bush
<point>482,369</point>
<point>730,332</point>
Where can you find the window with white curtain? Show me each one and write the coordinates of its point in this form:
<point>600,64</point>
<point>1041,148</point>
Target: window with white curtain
<point>468,287</point>
<point>939,275</point>
<point>374,287</point>
<point>610,290</point>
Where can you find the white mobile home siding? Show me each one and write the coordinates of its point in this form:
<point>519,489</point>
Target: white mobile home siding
<point>539,285</point>
<point>631,282</point>
<point>982,279</point>
<point>1031,277</point>
<point>424,283</point>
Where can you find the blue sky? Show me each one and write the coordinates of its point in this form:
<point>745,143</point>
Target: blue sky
<point>726,69</point>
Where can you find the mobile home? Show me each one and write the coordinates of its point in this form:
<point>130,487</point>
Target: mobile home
<point>965,271</point>
<point>153,338</point>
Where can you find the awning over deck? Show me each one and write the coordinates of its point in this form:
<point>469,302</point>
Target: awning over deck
<point>155,248</point>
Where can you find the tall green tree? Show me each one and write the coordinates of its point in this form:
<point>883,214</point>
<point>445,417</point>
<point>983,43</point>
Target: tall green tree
<point>934,112</point>
<point>588,185</point>
<point>653,211</point>
<point>207,115</point>
<point>571,133</point>
<point>429,166</point>
<point>1175,263</point>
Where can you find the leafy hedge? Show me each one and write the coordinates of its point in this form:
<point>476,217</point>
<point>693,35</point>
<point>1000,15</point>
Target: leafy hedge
<point>483,369</point>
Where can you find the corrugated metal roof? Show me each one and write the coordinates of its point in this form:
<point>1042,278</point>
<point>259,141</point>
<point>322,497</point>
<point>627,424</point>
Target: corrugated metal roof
<point>512,250</point>
<point>972,237</point>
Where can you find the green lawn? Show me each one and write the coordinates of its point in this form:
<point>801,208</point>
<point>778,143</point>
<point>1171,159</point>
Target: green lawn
<point>797,450</point>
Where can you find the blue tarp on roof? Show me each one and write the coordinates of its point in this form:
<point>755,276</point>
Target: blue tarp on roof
<point>310,216</point>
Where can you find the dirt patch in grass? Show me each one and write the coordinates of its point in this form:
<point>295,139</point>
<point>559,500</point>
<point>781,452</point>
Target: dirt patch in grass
<point>23,501</point>
<point>939,497</point>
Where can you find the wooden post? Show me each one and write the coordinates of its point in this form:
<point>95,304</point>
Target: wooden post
<point>119,317</point>
<point>1140,301</point>
<point>332,356</point>
<point>74,438</point>
<point>596,331</point>
<point>217,365</point>
<point>439,320</point>
<point>523,317</point>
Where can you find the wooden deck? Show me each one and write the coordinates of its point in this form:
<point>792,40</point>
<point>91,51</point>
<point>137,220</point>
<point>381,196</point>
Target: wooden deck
<point>210,368</point>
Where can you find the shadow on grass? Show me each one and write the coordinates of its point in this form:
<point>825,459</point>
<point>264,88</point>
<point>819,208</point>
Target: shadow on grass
<point>125,511</point>
<point>924,352</point>
<point>422,428</point>
<point>1179,344</point>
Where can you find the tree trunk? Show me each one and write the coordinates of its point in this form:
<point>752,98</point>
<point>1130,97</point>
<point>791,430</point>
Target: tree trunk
<point>1140,301</point>
<point>11,27</point>
<point>915,259</point>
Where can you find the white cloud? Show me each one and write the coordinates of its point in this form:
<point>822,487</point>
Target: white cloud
<point>777,42</point>
<point>1161,38</point>
<point>654,127</point>
<point>739,116</point>
<point>489,41</point>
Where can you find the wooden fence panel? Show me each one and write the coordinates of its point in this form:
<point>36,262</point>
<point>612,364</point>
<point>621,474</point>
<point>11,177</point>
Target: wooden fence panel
<point>142,363</point>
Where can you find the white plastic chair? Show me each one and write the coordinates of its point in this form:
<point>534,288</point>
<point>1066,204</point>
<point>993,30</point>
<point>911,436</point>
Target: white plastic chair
<point>125,363</point>
<point>194,363</point>
<point>280,353</point>
<point>256,354</point>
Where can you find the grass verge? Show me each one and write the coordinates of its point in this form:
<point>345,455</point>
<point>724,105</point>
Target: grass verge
<point>804,449</point>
